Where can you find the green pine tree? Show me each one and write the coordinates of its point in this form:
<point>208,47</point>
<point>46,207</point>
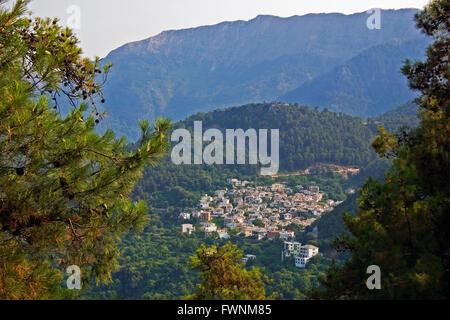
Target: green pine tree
<point>64,189</point>
<point>223,276</point>
<point>403,224</point>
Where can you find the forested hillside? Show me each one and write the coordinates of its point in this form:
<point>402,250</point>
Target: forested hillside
<point>331,224</point>
<point>367,85</point>
<point>404,115</point>
<point>154,265</point>
<point>306,137</point>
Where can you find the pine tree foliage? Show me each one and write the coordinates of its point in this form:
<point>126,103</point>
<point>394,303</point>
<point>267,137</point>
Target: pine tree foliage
<point>223,277</point>
<point>64,189</point>
<point>403,224</point>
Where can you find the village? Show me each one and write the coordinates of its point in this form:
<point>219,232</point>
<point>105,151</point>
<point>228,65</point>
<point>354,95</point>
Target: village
<point>261,212</point>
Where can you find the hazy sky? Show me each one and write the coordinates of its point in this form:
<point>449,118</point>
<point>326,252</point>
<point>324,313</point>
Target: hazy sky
<point>108,24</point>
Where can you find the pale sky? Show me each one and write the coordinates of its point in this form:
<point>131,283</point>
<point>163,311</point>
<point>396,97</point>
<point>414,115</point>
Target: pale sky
<point>108,24</point>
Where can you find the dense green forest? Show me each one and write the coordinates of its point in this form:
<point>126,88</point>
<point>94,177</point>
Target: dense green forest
<point>404,115</point>
<point>154,265</point>
<point>307,136</point>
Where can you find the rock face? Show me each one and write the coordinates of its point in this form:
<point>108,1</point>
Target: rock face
<point>178,73</point>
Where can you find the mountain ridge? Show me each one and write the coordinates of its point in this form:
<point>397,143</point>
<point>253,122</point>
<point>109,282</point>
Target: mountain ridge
<point>180,72</point>
<point>351,89</point>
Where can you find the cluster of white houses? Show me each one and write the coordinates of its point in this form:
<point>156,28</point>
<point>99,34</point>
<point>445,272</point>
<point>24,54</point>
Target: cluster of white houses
<point>300,253</point>
<point>275,207</point>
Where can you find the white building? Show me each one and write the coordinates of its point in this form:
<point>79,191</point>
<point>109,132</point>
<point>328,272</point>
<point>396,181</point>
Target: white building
<point>259,234</point>
<point>306,252</point>
<point>204,205</point>
<point>220,193</point>
<point>273,218</point>
<point>300,262</point>
<point>223,233</point>
<point>309,251</point>
<point>234,182</point>
<point>185,215</point>
<point>350,191</point>
<point>248,257</point>
<point>205,200</point>
<point>290,248</point>
<point>232,225</point>
<point>209,227</point>
<point>195,214</point>
<point>187,228</point>
<point>284,235</point>
<point>218,212</point>
<point>277,187</point>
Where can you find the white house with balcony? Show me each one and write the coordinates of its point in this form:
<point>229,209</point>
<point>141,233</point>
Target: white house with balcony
<point>209,227</point>
<point>290,248</point>
<point>300,262</point>
<point>306,252</point>
<point>309,251</point>
<point>223,233</point>
<point>218,212</point>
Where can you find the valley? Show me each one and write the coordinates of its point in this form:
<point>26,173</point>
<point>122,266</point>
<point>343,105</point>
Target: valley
<point>154,263</point>
<point>291,157</point>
